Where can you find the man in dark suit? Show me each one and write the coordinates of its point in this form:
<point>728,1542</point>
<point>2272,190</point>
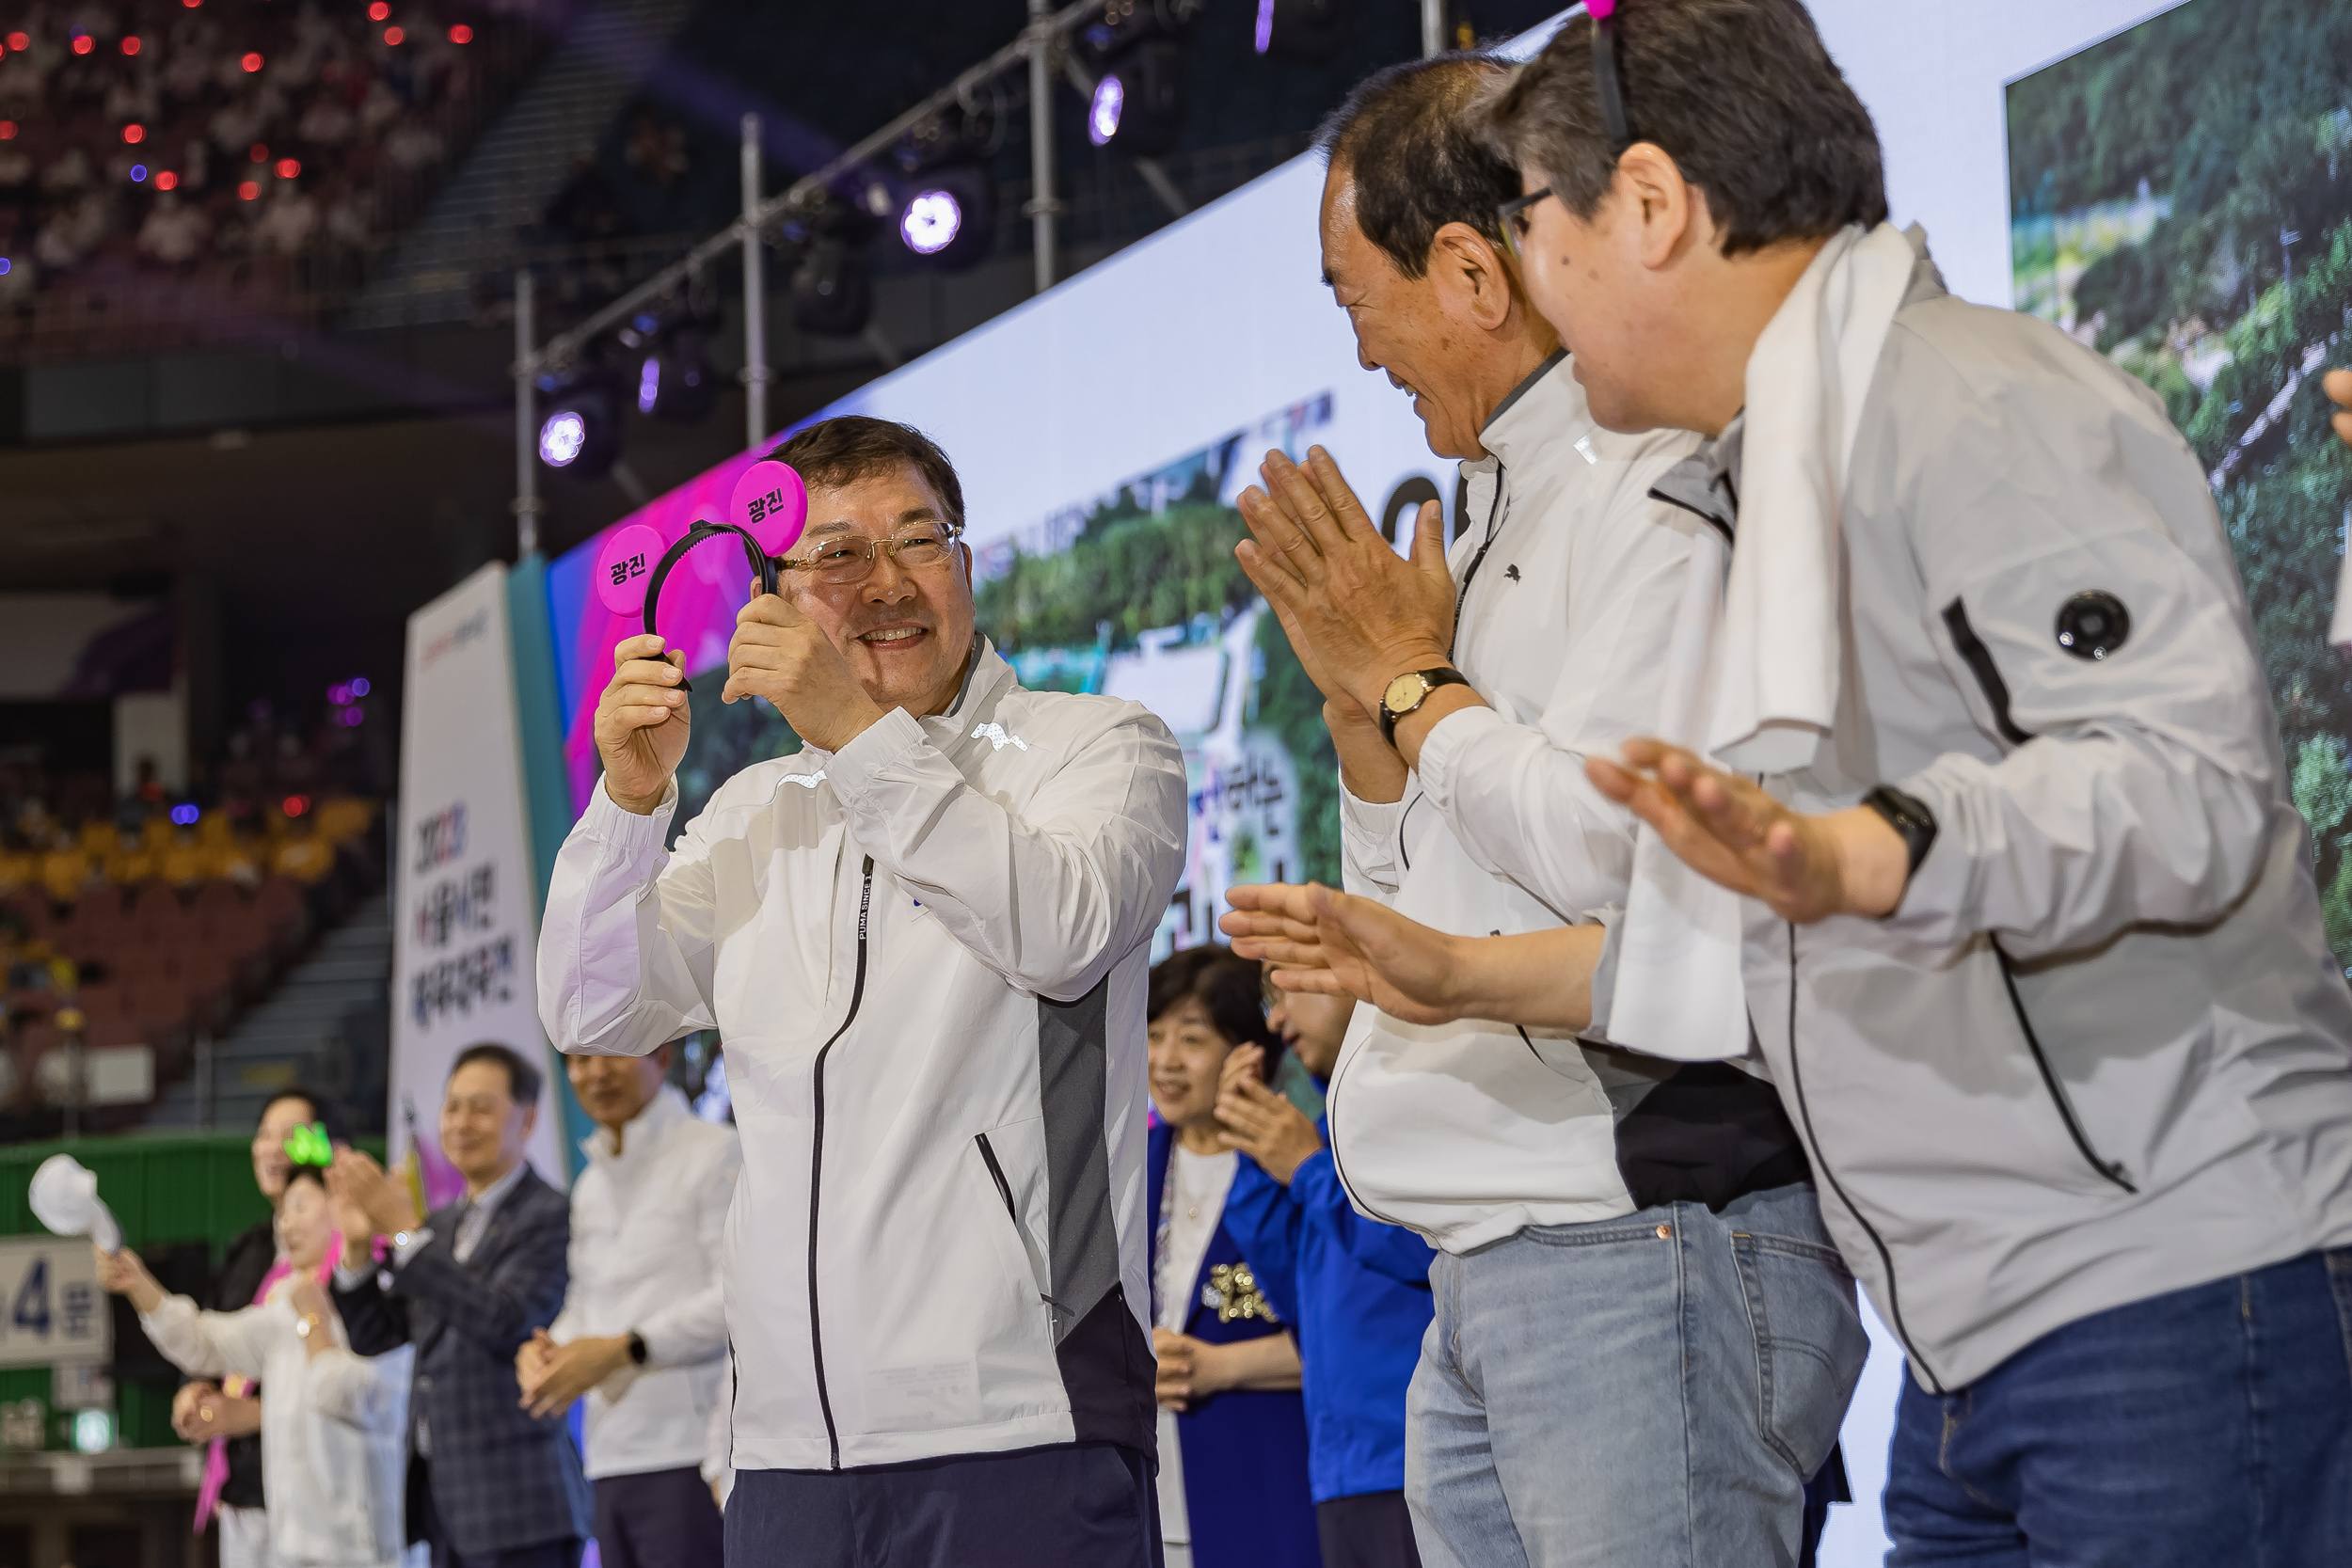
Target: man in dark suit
<point>489,1486</point>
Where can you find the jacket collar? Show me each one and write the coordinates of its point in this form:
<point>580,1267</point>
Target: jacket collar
<point>1546,407</point>
<point>663,1111</point>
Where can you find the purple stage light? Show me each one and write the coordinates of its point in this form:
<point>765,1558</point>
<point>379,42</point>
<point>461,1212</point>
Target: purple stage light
<point>931,221</point>
<point>359,685</point>
<point>1264,37</point>
<point>562,437</point>
<point>1110,100</point>
<point>649,383</point>
<point>184,816</point>
<point>338,694</point>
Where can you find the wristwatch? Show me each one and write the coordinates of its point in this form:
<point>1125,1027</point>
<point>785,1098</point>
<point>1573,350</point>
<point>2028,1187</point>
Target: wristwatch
<point>1908,815</point>
<point>305,1326</point>
<point>636,1348</point>
<point>1409,691</point>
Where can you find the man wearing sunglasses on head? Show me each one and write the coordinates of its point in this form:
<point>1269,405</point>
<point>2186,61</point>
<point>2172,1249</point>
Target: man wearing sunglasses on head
<point>924,938</point>
<point>1596,1348</point>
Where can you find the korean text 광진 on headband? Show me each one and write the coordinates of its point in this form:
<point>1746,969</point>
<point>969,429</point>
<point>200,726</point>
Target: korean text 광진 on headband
<point>768,511</point>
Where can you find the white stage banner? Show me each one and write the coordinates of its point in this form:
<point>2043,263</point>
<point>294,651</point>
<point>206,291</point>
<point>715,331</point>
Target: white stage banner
<point>464,934</point>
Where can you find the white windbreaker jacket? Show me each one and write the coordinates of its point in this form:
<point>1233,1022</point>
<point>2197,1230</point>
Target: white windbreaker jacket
<point>334,1429</point>
<point>648,1239</point>
<point>926,958</point>
<point>1568,574</point>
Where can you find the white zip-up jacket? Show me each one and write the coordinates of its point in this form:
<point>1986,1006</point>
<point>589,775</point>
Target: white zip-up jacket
<point>926,958</point>
<point>334,1429</point>
<point>649,1241</point>
<point>1568,573</point>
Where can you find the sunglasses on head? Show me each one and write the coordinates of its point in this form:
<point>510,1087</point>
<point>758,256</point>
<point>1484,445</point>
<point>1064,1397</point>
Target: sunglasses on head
<point>1608,87</point>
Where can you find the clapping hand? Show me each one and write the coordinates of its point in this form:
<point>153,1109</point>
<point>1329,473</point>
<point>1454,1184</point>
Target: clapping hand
<point>1729,830</point>
<point>550,1376</point>
<point>1356,614</point>
<point>1338,945</point>
<point>363,1194</point>
<point>1259,1123</point>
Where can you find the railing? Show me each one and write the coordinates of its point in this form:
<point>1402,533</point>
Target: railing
<point>120,305</point>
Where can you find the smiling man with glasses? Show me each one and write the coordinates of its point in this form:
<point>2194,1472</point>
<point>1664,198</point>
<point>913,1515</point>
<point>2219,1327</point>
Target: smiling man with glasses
<point>924,938</point>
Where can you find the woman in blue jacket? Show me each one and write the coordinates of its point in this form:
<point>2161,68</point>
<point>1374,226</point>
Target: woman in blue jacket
<point>1357,1290</point>
<point>1234,1484</point>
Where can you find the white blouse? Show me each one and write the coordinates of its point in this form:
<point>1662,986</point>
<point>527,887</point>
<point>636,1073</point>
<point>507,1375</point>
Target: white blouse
<point>1194,1203</point>
<point>334,1429</point>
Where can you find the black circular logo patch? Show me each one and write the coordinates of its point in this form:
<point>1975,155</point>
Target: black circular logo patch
<point>2093,624</point>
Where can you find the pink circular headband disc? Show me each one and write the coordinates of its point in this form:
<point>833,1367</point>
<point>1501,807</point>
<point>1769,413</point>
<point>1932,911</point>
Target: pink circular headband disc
<point>772,502</point>
<point>624,567</point>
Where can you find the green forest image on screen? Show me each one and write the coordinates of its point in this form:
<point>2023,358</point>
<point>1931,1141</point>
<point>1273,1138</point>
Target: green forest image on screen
<point>2181,201</point>
<point>1136,595</point>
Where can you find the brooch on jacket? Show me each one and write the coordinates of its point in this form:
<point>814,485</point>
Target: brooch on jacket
<point>1232,1292</point>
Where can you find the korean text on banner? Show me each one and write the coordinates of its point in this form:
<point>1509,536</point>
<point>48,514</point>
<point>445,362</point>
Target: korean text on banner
<point>464,928</point>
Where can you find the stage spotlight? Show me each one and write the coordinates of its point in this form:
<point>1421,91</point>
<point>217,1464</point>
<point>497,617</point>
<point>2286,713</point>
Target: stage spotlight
<point>1138,104</point>
<point>949,215</point>
<point>833,289</point>
<point>674,380</point>
<point>1313,31</point>
<point>581,431</point>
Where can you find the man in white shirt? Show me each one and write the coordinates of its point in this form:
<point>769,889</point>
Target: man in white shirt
<point>924,938</point>
<point>1599,1344</point>
<point>644,1330</point>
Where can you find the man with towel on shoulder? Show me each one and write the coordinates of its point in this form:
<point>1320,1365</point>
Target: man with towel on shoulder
<point>1969,794</point>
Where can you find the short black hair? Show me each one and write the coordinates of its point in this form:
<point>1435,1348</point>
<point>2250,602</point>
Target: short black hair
<point>327,1111</point>
<point>306,1173</point>
<point>1740,93</point>
<point>522,1079</point>
<point>1404,137</point>
<point>858,446</point>
<point>1229,988</point>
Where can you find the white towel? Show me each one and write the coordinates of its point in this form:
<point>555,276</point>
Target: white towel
<point>1753,666</point>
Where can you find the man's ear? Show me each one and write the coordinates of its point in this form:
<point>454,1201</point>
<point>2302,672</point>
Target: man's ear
<point>1670,211</point>
<point>1471,276</point>
<point>531,1119</point>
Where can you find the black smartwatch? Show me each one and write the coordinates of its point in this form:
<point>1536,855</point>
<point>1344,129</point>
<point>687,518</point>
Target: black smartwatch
<point>636,1348</point>
<point>1409,691</point>
<point>1908,815</point>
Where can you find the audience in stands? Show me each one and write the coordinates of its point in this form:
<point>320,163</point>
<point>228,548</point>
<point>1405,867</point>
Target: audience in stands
<point>225,1414</point>
<point>1357,1290</point>
<point>1233,1472</point>
<point>332,1429</point>
<point>153,918</point>
<point>207,137</point>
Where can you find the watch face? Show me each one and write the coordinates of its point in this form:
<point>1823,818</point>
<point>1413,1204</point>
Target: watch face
<point>1406,693</point>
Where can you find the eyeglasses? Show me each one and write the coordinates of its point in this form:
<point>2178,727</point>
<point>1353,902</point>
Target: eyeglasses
<point>849,559</point>
<point>1513,216</point>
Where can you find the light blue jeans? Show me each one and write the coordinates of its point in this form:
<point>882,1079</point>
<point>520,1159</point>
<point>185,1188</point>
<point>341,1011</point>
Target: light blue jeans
<point>1646,1392</point>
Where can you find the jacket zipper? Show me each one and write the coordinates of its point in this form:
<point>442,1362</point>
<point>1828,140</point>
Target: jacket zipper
<point>817,1162</point>
<point>1820,1164</point>
<point>996,1174</point>
<point>1978,659</point>
<point>2112,1170</point>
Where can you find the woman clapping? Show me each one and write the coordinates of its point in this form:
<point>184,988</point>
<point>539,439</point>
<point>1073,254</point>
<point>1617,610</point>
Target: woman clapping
<point>335,1425</point>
